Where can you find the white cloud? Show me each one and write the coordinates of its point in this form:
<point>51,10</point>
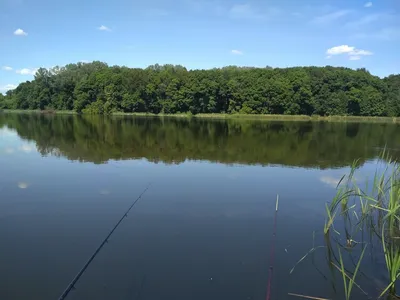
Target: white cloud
<point>9,150</point>
<point>368,4</point>
<point>236,52</point>
<point>27,148</point>
<point>339,50</point>
<point>351,51</point>
<point>23,185</point>
<point>104,192</point>
<point>26,71</point>
<point>7,68</point>
<point>327,18</point>
<point>104,28</point>
<point>334,181</point>
<point>19,31</point>
<point>331,181</point>
<point>6,132</point>
<point>7,87</point>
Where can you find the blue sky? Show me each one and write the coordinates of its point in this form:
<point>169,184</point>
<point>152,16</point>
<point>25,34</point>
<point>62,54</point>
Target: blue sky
<point>198,34</point>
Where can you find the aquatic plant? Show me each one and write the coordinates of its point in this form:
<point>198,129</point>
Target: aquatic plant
<point>379,210</point>
<point>347,281</point>
<point>356,210</point>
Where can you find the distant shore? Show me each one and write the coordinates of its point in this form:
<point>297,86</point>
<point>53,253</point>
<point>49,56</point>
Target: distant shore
<point>232,116</point>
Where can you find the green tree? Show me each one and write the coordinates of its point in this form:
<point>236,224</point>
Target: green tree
<point>98,88</point>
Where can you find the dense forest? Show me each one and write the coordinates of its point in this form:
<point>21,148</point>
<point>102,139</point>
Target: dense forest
<point>99,139</point>
<point>100,89</point>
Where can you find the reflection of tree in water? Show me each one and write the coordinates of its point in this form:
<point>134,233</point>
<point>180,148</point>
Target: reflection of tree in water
<point>352,129</point>
<point>173,140</point>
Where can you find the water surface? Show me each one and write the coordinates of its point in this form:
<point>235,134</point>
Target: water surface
<point>204,228</point>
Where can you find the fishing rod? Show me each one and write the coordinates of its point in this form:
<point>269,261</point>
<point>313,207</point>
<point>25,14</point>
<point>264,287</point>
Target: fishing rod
<point>80,273</point>
<point>272,253</point>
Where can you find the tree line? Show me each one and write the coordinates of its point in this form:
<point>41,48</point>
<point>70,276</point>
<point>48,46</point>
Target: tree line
<point>101,89</point>
<point>174,140</point>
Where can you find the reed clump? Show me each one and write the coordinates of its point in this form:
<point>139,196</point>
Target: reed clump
<point>357,211</point>
<point>374,209</point>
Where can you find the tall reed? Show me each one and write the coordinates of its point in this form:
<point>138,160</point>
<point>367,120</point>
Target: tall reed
<point>354,210</point>
<point>375,208</point>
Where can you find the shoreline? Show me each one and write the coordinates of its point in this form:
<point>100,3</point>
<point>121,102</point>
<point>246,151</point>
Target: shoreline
<point>355,119</point>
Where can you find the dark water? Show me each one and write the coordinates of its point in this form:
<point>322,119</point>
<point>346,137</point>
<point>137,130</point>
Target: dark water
<point>204,228</point>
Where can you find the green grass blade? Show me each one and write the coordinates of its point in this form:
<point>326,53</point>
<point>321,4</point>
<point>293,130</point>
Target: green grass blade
<point>343,275</point>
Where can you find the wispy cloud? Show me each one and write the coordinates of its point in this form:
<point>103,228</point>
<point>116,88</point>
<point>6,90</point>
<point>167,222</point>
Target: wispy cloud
<point>237,52</point>
<point>368,4</point>
<point>331,17</point>
<point>26,71</point>
<point>388,33</point>
<point>156,12</point>
<point>19,31</point>
<point>366,20</point>
<point>206,6</point>
<point>297,14</point>
<point>104,28</point>
<point>384,34</point>
<point>360,52</point>
<point>6,68</point>
<point>7,87</point>
<point>196,6</point>
<point>352,52</point>
<point>239,11</point>
<point>246,11</point>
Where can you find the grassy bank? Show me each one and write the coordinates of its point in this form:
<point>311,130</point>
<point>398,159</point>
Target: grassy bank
<point>303,118</point>
<point>37,111</point>
<point>236,116</point>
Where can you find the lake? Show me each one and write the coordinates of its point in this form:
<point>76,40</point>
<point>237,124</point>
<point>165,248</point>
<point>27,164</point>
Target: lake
<point>203,230</point>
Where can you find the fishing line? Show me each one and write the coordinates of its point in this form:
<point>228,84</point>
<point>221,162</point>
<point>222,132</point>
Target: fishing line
<point>80,273</point>
<point>272,253</point>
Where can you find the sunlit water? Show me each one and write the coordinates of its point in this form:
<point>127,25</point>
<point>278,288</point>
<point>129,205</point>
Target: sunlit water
<point>204,228</point>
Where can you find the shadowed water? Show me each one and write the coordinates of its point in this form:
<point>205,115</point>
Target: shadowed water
<point>203,230</point>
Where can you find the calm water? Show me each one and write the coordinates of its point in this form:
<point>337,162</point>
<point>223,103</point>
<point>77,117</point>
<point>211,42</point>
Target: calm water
<point>204,228</point>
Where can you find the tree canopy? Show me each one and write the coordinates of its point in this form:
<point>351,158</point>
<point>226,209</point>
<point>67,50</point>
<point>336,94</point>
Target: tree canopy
<point>101,89</point>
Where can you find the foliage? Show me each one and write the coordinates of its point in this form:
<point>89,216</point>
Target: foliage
<point>97,88</point>
<point>174,140</point>
<point>360,217</point>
